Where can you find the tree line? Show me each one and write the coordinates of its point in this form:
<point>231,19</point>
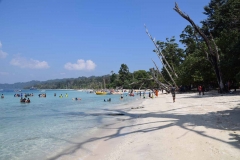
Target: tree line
<point>123,79</point>
<point>211,55</point>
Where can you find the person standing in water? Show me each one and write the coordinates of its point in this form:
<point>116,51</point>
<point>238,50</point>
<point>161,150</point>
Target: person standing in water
<point>121,96</point>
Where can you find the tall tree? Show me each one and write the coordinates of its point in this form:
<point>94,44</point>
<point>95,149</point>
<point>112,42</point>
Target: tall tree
<point>173,54</point>
<point>162,58</point>
<point>212,51</point>
<point>124,75</point>
<point>195,68</point>
<point>223,22</point>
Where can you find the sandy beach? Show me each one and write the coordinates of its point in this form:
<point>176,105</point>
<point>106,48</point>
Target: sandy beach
<point>194,127</point>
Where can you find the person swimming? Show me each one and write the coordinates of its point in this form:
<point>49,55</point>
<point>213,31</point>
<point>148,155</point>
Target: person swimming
<point>23,100</point>
<point>27,101</point>
<point>2,96</point>
<point>76,99</point>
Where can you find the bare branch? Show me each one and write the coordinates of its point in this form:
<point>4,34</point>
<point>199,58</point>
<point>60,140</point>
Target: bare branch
<point>185,16</point>
<point>216,48</point>
<point>165,86</point>
<point>212,53</point>
<point>159,51</point>
<point>161,74</point>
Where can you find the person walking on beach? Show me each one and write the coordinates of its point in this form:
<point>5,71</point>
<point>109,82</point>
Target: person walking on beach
<point>199,89</point>
<point>173,89</point>
<point>203,89</point>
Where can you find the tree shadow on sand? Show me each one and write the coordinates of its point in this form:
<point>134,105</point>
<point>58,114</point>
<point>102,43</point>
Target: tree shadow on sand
<point>228,120</point>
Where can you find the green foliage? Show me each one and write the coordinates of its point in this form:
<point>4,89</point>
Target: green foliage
<point>191,65</point>
<point>124,76</point>
<point>173,54</point>
<point>224,24</point>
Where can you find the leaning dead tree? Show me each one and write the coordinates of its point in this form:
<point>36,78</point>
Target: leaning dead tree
<point>161,74</point>
<point>212,49</point>
<point>162,85</point>
<point>141,82</point>
<point>163,60</point>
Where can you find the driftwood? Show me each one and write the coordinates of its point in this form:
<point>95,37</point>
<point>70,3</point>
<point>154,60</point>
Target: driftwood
<point>212,53</point>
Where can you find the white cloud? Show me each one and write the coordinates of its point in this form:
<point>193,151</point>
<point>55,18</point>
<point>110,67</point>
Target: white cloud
<point>32,64</point>
<point>62,73</point>
<point>4,73</point>
<point>2,54</point>
<point>80,65</point>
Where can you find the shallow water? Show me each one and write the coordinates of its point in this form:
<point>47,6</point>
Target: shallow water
<point>32,131</point>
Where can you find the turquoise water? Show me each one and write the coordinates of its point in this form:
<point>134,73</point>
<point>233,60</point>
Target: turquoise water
<point>29,131</point>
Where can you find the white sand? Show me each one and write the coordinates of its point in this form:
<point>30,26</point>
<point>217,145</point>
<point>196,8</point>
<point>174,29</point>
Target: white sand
<point>194,127</point>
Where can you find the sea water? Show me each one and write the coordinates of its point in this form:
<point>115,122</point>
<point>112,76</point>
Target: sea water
<point>33,130</point>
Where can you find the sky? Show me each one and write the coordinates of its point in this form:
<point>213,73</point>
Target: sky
<point>55,39</point>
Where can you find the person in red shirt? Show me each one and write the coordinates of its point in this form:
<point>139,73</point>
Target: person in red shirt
<point>199,89</point>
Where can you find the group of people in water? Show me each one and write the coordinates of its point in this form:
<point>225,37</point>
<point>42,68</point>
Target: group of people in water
<point>25,95</point>
<point>27,100</point>
<point>61,96</point>
<point>24,100</point>
<point>42,95</point>
<point>108,100</point>
<point>66,95</point>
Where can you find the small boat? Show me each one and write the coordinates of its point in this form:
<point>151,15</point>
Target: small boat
<point>101,93</point>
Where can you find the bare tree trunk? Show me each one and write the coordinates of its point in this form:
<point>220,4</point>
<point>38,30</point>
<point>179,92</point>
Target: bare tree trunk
<point>163,57</point>
<point>212,53</point>
<point>166,87</point>
<point>161,74</point>
<point>141,86</point>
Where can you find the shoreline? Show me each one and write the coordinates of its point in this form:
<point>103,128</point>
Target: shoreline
<point>79,147</point>
<point>194,127</point>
